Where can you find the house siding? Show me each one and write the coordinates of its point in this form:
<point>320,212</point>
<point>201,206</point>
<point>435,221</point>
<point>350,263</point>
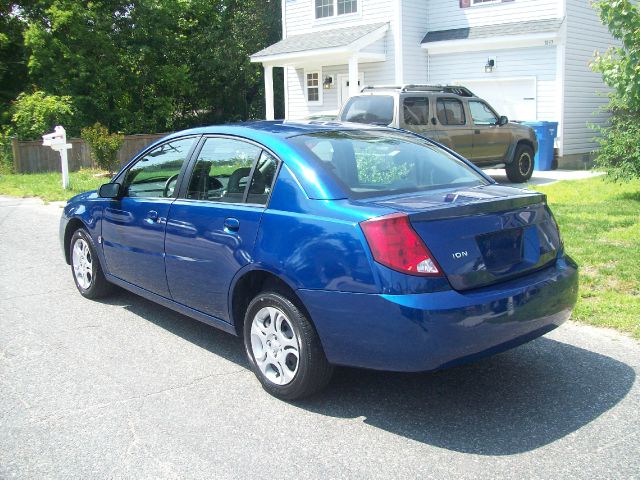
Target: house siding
<point>584,90</point>
<point>447,14</point>
<point>538,62</point>
<point>414,26</point>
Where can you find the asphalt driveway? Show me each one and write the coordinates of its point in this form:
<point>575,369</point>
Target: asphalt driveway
<point>128,389</point>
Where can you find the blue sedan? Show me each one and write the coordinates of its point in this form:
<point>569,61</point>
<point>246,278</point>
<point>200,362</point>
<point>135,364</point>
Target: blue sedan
<point>324,244</point>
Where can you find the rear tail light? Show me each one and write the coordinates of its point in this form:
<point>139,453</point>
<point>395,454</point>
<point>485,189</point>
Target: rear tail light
<point>395,244</point>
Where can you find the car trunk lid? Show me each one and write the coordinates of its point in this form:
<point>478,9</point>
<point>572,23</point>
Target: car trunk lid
<point>483,235</point>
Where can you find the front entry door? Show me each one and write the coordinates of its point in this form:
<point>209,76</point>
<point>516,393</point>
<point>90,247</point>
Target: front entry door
<point>343,87</point>
<point>133,227</point>
<point>212,230</point>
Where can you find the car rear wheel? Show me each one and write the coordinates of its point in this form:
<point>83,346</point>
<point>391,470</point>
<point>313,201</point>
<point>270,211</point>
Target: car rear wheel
<point>86,268</point>
<point>283,348</point>
<point>521,169</point>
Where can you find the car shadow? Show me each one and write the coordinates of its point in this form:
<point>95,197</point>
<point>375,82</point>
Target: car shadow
<point>510,403</point>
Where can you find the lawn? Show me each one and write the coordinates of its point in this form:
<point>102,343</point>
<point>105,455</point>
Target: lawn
<point>600,226</point>
<point>48,186</point>
<point>599,222</point>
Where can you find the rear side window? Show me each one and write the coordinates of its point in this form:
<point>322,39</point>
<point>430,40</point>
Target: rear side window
<point>222,171</point>
<point>450,111</point>
<point>372,109</point>
<point>415,111</point>
<point>374,163</point>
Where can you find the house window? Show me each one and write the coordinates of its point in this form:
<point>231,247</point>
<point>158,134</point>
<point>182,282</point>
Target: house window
<point>331,8</point>
<point>313,86</point>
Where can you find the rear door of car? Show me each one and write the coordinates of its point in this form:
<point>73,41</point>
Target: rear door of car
<point>133,226</point>
<point>453,128</point>
<point>213,224</point>
<point>490,140</point>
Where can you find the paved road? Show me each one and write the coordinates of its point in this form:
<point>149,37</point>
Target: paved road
<point>128,389</point>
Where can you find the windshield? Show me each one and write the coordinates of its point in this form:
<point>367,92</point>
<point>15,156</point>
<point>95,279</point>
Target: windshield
<point>375,163</point>
<point>372,109</point>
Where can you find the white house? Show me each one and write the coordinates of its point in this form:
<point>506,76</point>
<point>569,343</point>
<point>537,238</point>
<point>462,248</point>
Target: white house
<point>528,58</point>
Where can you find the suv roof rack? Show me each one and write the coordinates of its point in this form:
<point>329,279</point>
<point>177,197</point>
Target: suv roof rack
<point>455,89</point>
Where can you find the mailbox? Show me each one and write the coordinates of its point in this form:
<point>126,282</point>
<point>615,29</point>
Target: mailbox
<point>57,140</point>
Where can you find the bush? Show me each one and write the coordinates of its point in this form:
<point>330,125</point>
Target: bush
<point>619,152</point>
<point>6,154</point>
<point>104,145</point>
<point>37,113</point>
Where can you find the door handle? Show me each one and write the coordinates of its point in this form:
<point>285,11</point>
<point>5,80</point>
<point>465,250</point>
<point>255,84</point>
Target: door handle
<point>477,131</point>
<point>231,224</point>
<point>152,215</point>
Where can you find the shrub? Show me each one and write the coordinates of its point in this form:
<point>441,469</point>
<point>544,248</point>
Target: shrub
<point>104,145</point>
<point>37,113</point>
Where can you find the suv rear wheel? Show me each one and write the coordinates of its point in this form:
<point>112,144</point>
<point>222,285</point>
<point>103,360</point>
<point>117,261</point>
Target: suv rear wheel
<point>521,169</point>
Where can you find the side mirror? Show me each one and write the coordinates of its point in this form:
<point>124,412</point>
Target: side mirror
<point>503,120</point>
<point>110,190</point>
<point>433,121</point>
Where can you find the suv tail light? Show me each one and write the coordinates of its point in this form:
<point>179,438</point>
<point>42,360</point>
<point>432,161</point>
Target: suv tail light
<point>395,244</point>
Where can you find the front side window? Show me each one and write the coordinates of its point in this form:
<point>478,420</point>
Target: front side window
<point>331,8</point>
<point>450,111</point>
<point>222,170</point>
<point>313,86</point>
<point>375,163</point>
<point>156,174</point>
<point>372,109</point>
<point>481,113</point>
<point>415,111</point>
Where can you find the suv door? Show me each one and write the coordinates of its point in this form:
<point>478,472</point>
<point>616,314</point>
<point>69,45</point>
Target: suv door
<point>453,129</point>
<point>212,227</point>
<point>490,140</point>
<point>414,114</point>
<point>133,226</point>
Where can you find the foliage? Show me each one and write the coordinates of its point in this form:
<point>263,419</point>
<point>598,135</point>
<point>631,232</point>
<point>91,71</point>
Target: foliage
<point>148,65</point>
<point>620,68</point>
<point>6,154</point>
<point>104,145</point>
<point>13,69</point>
<point>48,186</point>
<point>37,113</point>
<point>600,227</point>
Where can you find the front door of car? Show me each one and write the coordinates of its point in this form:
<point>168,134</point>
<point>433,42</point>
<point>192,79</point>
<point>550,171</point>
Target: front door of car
<point>212,227</point>
<point>490,140</point>
<point>133,226</point>
<point>453,129</point>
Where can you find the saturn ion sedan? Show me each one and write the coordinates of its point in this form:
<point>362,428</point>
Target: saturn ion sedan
<point>325,244</point>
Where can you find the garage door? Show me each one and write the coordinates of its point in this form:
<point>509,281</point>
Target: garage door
<point>514,97</point>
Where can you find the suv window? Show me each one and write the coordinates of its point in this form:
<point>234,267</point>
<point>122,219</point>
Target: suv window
<point>374,109</point>
<point>415,110</point>
<point>222,171</point>
<point>481,113</point>
<point>450,111</point>
<point>156,174</point>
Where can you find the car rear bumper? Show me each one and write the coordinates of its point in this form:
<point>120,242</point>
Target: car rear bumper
<point>428,331</point>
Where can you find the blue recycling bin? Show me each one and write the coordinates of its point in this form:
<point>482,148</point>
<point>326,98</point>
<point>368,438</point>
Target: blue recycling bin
<point>546,133</point>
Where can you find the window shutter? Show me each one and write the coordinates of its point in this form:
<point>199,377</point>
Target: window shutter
<point>465,3</point>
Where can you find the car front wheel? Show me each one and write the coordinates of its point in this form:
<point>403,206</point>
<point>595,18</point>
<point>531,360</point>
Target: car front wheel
<point>521,169</point>
<point>86,268</point>
<point>283,348</point>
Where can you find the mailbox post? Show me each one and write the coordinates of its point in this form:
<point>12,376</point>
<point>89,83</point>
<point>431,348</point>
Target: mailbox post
<point>57,140</point>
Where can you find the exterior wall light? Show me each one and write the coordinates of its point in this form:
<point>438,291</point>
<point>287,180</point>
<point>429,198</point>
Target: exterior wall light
<point>491,63</point>
<point>328,82</point>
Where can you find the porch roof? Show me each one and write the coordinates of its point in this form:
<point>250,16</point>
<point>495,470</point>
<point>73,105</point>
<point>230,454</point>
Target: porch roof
<point>347,40</point>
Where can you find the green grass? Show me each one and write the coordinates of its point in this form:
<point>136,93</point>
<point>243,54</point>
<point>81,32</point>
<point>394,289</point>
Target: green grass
<point>48,186</point>
<point>600,226</point>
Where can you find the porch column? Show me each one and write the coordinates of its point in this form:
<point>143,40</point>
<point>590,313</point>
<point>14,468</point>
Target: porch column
<point>354,89</point>
<point>268,92</point>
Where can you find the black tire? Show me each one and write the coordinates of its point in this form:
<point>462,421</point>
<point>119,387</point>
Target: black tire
<point>313,371</point>
<point>521,168</point>
<point>92,282</point>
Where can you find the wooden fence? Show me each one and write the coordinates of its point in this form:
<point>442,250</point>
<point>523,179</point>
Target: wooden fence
<point>32,157</point>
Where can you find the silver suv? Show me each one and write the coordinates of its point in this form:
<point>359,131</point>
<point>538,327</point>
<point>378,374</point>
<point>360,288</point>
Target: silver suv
<point>453,116</point>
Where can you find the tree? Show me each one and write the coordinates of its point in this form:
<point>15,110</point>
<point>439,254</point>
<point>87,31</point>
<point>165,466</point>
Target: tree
<point>13,70</point>
<point>619,142</point>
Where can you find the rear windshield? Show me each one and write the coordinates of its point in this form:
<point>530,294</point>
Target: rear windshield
<point>372,109</point>
<point>375,163</point>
